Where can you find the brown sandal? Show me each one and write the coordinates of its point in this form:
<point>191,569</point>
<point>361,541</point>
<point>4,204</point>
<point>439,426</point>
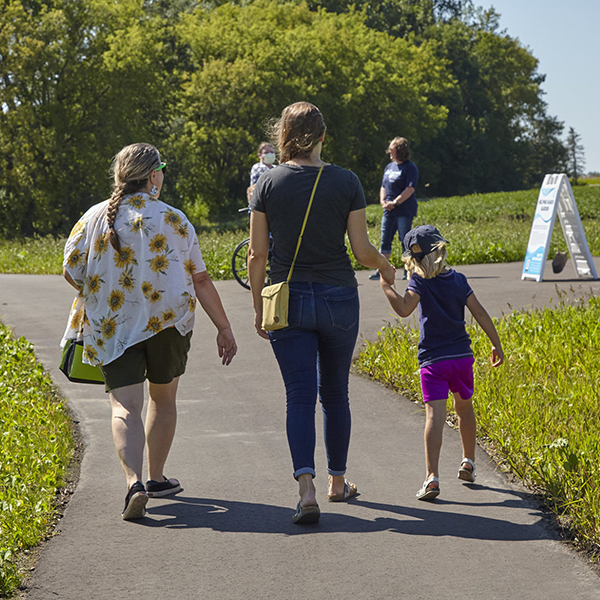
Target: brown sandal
<point>350,490</point>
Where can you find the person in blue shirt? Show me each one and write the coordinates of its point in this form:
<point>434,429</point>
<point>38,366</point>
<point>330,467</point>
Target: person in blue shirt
<point>445,355</point>
<point>397,197</point>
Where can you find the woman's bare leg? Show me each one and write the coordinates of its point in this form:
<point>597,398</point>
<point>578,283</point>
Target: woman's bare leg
<point>161,420</point>
<point>128,429</point>
<point>308,494</point>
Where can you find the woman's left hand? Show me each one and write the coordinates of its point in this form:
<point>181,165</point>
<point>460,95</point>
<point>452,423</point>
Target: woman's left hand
<point>226,345</point>
<point>258,325</point>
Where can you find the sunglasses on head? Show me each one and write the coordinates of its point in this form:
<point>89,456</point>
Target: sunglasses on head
<point>162,166</point>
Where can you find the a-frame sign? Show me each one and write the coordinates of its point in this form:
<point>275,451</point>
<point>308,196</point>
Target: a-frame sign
<point>556,195</point>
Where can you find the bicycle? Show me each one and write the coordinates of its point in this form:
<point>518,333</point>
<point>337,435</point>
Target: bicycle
<point>239,262</point>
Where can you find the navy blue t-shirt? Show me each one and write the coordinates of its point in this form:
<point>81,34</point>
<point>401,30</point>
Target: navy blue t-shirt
<point>396,178</point>
<point>442,316</point>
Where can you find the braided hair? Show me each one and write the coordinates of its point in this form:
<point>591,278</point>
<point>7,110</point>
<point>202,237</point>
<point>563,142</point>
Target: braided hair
<point>298,131</point>
<point>131,169</point>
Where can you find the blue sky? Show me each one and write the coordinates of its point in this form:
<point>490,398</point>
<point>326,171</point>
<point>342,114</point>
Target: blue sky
<point>565,38</point>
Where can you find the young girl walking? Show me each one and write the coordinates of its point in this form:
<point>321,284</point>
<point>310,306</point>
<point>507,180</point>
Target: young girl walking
<point>445,355</point>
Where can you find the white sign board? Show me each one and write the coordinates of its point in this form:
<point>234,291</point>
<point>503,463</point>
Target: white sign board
<point>556,196</point>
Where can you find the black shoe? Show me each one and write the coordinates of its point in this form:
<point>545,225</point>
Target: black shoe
<point>135,502</point>
<point>158,489</point>
<point>374,276</point>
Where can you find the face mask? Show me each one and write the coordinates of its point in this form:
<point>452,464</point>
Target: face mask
<point>269,158</point>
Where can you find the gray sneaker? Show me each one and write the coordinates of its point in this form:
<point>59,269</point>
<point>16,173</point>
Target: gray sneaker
<point>374,276</point>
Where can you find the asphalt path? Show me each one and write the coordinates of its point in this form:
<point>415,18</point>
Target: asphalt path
<point>229,534</point>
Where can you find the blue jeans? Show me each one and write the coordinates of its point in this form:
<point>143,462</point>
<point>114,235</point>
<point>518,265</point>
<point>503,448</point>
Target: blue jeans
<point>389,226</point>
<point>314,354</point>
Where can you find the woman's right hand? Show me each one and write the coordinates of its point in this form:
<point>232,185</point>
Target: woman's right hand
<point>258,325</point>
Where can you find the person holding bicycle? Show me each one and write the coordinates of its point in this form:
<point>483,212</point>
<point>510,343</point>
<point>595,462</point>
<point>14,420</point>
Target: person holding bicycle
<point>314,351</point>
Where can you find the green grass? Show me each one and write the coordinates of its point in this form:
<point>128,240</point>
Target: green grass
<point>588,181</point>
<point>493,228</point>
<point>539,412</point>
<point>481,228</point>
<point>36,446</point>
<point>36,256</point>
<point>44,256</point>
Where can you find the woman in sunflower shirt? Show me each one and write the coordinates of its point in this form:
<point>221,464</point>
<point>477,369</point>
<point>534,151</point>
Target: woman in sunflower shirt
<point>137,266</point>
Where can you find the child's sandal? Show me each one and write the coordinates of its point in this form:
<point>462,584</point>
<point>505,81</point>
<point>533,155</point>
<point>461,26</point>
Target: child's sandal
<point>465,473</point>
<point>429,493</point>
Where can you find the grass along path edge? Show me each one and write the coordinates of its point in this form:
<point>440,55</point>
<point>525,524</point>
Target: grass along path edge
<point>40,449</point>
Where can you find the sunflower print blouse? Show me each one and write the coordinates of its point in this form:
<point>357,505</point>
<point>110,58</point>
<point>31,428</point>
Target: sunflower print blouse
<point>128,296</point>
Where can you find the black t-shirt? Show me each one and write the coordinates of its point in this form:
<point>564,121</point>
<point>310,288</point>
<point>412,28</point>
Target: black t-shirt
<point>283,195</point>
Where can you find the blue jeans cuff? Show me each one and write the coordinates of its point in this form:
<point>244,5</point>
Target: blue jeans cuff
<point>336,473</point>
<point>304,471</point>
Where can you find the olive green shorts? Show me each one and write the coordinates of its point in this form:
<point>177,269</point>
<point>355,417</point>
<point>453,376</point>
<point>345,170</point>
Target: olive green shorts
<point>159,359</point>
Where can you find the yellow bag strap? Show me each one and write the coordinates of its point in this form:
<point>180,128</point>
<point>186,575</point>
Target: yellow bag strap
<point>304,224</point>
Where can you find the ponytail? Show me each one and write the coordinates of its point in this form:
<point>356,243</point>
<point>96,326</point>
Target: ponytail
<point>121,190</point>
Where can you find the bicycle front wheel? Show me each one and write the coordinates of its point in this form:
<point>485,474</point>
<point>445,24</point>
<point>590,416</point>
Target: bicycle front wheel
<point>239,263</point>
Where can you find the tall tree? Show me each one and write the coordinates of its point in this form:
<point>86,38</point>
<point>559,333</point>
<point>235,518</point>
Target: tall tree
<point>576,155</point>
<point>250,61</point>
<point>72,91</point>
<point>497,124</point>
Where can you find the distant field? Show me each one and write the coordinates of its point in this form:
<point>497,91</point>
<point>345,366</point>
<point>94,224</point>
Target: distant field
<point>494,228</point>
<point>590,181</point>
<point>482,228</point>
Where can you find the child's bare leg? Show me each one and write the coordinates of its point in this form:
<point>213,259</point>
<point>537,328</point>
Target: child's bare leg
<point>435,417</point>
<point>467,426</point>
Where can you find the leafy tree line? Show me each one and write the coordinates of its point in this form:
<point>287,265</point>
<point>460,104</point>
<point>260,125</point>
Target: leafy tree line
<point>79,79</point>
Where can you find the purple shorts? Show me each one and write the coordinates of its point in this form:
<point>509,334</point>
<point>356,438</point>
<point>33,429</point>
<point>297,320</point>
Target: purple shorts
<point>455,374</point>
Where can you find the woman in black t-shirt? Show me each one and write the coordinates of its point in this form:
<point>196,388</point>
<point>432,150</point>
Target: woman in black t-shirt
<point>315,351</point>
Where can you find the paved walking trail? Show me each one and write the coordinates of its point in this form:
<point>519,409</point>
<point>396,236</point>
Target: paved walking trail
<point>229,534</point>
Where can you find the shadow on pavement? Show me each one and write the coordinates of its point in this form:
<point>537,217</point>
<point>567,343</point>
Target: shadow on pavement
<point>425,519</point>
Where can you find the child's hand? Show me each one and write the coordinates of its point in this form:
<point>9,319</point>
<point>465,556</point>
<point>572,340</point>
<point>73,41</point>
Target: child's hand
<point>385,285</point>
<point>497,356</point>
<point>388,274</point>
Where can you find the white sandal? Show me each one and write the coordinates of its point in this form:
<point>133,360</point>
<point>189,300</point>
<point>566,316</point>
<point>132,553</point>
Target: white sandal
<point>429,493</point>
<point>467,474</point>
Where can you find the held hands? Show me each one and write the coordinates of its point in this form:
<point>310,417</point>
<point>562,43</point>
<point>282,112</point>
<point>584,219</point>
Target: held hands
<point>226,345</point>
<point>387,273</point>
<point>497,356</point>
